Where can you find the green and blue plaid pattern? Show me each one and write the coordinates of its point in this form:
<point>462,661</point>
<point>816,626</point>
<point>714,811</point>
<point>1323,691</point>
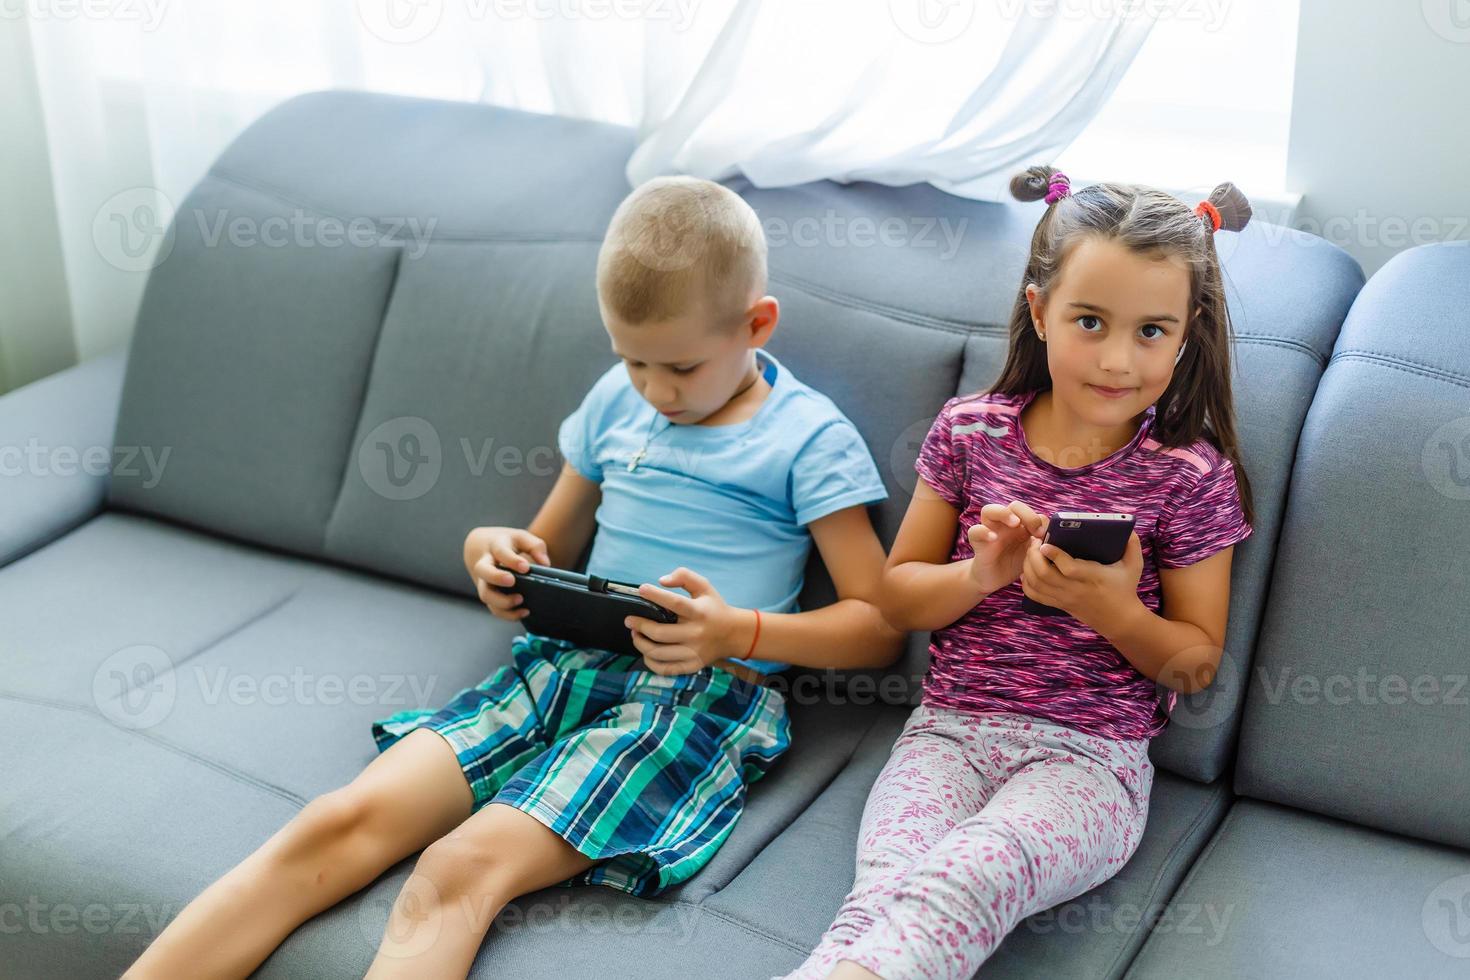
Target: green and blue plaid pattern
<point>645,774</point>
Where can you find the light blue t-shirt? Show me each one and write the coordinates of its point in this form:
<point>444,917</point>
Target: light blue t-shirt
<point>730,502</point>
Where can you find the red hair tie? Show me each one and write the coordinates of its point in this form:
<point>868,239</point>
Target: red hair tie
<point>1207,210</point>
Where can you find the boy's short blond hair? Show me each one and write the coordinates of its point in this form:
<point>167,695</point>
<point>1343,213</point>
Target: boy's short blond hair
<point>680,244</point>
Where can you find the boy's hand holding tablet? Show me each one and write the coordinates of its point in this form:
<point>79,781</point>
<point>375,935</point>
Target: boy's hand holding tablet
<point>491,556</point>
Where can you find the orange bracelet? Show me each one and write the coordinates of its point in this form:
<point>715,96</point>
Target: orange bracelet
<point>757,636</point>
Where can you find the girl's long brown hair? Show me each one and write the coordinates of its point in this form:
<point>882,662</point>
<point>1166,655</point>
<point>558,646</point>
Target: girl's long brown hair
<point>1198,401</point>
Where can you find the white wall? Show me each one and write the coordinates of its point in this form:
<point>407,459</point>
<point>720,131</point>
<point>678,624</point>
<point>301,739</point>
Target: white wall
<point>1380,124</point>
<point>36,336</point>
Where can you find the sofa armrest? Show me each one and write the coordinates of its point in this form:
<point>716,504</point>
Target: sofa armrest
<point>56,452</point>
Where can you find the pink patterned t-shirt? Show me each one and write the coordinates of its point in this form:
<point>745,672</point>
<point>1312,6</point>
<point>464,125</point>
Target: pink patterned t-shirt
<point>998,657</point>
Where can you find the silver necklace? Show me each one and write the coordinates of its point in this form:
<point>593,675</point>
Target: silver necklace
<point>642,452</point>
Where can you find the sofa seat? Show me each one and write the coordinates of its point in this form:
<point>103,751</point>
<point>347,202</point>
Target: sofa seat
<point>1282,892</point>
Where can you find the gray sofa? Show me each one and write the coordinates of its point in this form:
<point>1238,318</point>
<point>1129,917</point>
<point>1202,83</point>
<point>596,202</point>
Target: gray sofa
<point>194,643</point>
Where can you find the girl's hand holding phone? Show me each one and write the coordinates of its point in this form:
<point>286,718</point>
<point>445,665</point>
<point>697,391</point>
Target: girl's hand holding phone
<point>1001,540</point>
<point>1088,590</point>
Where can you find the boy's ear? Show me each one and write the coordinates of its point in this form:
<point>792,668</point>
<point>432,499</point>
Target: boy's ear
<point>762,318</point>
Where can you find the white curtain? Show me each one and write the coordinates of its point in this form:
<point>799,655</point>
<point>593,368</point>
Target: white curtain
<point>139,99</point>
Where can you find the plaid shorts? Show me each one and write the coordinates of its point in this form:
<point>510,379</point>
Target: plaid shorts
<point>645,774</point>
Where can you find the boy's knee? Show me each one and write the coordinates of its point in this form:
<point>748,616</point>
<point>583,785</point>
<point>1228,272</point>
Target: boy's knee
<point>331,818</point>
<point>468,861</point>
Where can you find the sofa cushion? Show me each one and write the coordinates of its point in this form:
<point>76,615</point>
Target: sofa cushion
<point>55,451</point>
<point>246,369</point>
<point>795,887</point>
<point>244,658</point>
<point>1282,893</point>
<point>1358,706</point>
<point>106,834</point>
<point>99,856</point>
<point>487,346</point>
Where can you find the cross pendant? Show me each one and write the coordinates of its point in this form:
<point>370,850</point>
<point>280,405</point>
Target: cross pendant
<point>637,458</point>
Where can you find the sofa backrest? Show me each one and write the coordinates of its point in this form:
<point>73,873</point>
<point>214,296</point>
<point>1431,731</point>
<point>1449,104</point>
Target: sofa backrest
<point>1358,706</point>
<point>369,402</point>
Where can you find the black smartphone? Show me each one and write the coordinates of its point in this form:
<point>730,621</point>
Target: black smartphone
<point>1101,538</point>
<point>587,610</point>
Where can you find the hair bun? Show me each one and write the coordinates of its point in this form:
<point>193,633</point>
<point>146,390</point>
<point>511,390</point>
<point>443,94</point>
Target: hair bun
<point>1032,183</point>
<point>1235,210</point>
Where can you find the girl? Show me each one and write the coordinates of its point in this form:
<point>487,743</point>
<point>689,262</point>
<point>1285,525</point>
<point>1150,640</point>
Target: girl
<point>1022,780</point>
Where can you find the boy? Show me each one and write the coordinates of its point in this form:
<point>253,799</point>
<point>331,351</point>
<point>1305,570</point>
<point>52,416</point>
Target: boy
<point>698,451</point>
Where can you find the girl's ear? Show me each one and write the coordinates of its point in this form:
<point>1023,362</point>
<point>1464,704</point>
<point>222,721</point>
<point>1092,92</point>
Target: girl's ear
<point>1035,301</point>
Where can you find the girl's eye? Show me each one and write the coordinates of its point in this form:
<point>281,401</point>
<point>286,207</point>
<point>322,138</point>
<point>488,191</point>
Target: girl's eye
<point>1154,326</point>
<point>1083,321</point>
<point>685,370</point>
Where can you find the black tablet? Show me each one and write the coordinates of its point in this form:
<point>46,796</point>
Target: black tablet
<point>587,610</point>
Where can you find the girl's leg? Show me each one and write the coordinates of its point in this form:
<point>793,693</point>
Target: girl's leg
<point>459,886</point>
<point>411,794</point>
<point>926,788</point>
<point>1059,826</point>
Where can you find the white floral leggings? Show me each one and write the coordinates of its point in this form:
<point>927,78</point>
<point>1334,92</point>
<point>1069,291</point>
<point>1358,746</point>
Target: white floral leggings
<point>977,821</point>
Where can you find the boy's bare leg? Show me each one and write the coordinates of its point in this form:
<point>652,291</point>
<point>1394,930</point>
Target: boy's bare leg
<point>411,794</point>
<point>461,883</point>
